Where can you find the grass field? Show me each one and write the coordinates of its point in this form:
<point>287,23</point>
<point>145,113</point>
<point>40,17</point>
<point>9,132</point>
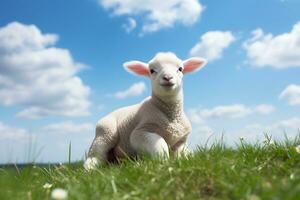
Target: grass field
<point>261,171</point>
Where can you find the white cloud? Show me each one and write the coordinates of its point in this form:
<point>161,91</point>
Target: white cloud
<point>264,109</point>
<point>228,111</point>
<point>38,76</point>
<point>291,123</point>
<point>195,116</point>
<point>12,133</point>
<point>134,90</point>
<point>292,94</point>
<point>16,144</point>
<point>156,14</point>
<point>277,130</point>
<point>206,133</point>
<point>200,136</point>
<point>68,127</point>
<point>212,44</point>
<point>130,25</point>
<point>281,51</point>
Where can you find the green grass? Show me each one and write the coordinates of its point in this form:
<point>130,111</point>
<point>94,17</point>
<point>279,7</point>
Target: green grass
<point>260,171</point>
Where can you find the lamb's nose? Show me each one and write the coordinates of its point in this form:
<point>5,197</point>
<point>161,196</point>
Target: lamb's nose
<point>167,77</point>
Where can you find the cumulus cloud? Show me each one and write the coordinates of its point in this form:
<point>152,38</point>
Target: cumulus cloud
<point>12,133</point>
<point>134,90</point>
<point>292,94</point>
<point>264,109</point>
<point>212,44</point>
<point>68,127</point>
<point>206,133</point>
<point>17,144</point>
<point>291,123</point>
<point>280,51</point>
<point>277,129</point>
<point>228,111</point>
<point>156,14</point>
<point>200,135</point>
<point>38,76</point>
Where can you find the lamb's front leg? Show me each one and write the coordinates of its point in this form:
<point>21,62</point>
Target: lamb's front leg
<point>180,148</point>
<point>149,143</point>
<point>182,151</point>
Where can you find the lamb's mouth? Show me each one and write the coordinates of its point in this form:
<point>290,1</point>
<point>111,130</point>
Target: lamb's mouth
<point>167,84</point>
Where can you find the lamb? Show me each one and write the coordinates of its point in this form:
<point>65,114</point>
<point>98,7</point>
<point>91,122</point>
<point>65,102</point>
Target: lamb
<point>158,125</point>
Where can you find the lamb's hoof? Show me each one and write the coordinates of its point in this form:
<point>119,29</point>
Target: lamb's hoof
<point>91,164</point>
<point>185,154</point>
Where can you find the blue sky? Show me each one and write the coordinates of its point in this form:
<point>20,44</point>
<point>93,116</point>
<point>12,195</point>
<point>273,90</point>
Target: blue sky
<point>61,68</point>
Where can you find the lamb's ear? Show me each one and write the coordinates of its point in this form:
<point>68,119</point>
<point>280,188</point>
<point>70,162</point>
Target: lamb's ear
<point>137,68</point>
<point>193,64</point>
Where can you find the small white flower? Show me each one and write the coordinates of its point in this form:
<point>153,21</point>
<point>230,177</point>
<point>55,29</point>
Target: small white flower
<point>91,163</point>
<point>170,169</point>
<point>241,138</point>
<point>260,168</point>
<point>47,186</point>
<point>269,142</point>
<point>59,194</point>
<point>297,148</point>
<point>292,176</point>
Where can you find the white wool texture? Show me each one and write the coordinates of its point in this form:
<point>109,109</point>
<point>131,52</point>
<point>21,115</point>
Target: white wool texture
<point>155,114</point>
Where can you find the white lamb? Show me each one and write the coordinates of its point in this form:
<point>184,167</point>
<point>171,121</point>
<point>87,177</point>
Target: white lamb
<point>157,125</point>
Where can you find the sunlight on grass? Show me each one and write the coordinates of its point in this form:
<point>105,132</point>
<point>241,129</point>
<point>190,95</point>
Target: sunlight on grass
<point>268,170</point>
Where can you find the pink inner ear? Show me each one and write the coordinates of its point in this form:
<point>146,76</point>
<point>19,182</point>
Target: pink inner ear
<point>137,68</point>
<point>193,64</point>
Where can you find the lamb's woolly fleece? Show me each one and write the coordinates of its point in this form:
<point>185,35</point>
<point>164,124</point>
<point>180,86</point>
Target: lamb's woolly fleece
<point>116,131</point>
<point>168,57</point>
<point>152,115</point>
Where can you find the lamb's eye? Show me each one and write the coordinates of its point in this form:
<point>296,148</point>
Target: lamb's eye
<point>180,69</point>
<point>152,71</point>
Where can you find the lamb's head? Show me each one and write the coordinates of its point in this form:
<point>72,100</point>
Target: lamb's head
<point>165,71</point>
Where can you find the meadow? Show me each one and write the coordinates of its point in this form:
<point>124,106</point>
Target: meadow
<point>265,170</point>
